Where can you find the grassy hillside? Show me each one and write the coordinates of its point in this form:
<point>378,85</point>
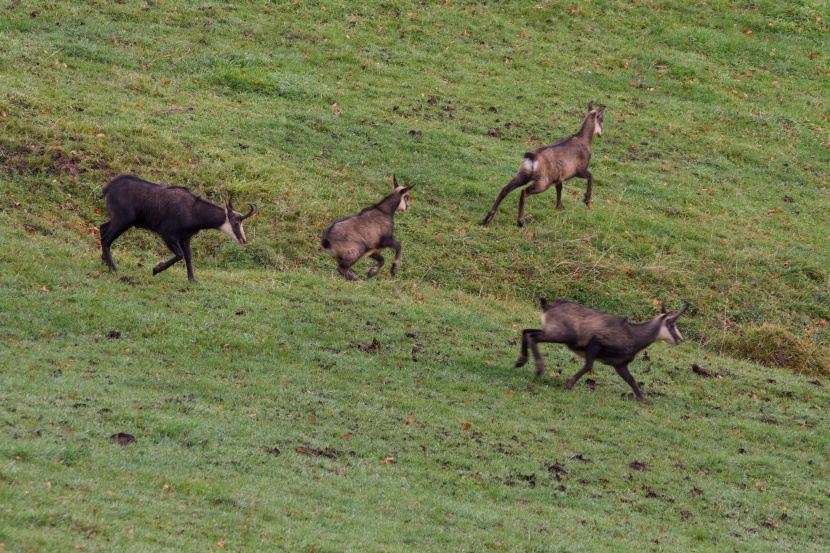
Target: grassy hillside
<point>276,406</point>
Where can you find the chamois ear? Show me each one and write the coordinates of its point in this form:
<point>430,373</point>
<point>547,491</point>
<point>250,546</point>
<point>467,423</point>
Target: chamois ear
<point>543,302</point>
<point>590,106</point>
<point>394,182</point>
<point>662,307</point>
<point>229,204</point>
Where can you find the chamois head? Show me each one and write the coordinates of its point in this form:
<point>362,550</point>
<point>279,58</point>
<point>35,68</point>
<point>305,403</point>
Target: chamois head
<point>404,190</point>
<point>668,325</point>
<point>597,116</point>
<point>233,222</point>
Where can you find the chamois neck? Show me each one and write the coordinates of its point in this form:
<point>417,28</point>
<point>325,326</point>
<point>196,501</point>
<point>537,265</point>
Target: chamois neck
<point>646,332</point>
<point>390,203</point>
<point>210,214</point>
<point>586,131</point>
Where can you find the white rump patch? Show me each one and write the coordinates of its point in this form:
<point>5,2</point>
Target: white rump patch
<point>530,166</point>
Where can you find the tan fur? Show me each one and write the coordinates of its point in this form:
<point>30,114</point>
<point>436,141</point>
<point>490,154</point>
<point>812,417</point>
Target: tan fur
<point>553,165</point>
<point>366,234</point>
<point>598,336</point>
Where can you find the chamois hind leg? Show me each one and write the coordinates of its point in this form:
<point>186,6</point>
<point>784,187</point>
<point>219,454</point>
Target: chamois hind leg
<point>590,356</point>
<point>622,370</point>
<point>520,179</point>
<point>586,174</point>
<point>539,185</point>
<point>108,235</point>
<point>376,269</point>
<point>178,253</point>
<point>520,362</point>
<point>344,267</point>
<point>531,338</point>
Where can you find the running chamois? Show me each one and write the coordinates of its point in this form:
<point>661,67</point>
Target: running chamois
<point>553,165</point>
<point>598,336</point>
<point>364,235</point>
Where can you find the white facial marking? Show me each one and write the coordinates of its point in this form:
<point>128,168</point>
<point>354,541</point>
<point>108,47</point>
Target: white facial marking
<point>666,335</point>
<point>404,205</point>
<point>227,228</point>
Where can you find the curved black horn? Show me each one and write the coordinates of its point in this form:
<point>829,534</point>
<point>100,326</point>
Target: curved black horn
<point>682,309</point>
<point>253,210</point>
<point>662,306</point>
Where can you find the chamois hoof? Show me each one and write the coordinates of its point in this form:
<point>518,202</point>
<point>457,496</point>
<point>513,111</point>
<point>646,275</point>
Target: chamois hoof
<point>372,272</point>
<point>488,218</point>
<point>645,400</point>
<point>540,368</point>
<point>520,362</point>
<point>569,384</point>
<point>521,224</point>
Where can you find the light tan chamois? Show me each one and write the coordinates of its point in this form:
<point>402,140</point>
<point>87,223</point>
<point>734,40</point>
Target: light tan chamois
<point>351,239</point>
<point>598,336</point>
<point>554,164</point>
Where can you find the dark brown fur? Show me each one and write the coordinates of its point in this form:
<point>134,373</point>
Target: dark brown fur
<point>554,164</point>
<point>364,235</point>
<point>174,213</point>
<point>598,336</point>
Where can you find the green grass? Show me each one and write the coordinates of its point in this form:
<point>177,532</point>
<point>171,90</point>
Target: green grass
<point>264,417</point>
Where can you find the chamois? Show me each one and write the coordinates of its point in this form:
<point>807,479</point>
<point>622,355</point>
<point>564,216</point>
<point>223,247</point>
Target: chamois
<point>351,239</point>
<point>598,336</point>
<point>173,212</point>
<point>564,159</point>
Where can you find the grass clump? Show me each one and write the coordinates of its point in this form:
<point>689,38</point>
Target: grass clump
<point>775,346</point>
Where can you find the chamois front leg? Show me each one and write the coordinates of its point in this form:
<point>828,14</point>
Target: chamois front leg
<point>376,269</point>
<point>590,356</point>
<point>396,263</point>
<point>586,174</point>
<point>187,259</point>
<point>176,248</point>
<point>622,370</point>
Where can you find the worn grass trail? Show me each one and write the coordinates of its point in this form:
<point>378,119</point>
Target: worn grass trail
<point>275,406</point>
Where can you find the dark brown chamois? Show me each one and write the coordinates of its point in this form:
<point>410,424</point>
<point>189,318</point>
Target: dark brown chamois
<point>351,239</point>
<point>174,213</point>
<point>554,164</point>
<point>598,336</point>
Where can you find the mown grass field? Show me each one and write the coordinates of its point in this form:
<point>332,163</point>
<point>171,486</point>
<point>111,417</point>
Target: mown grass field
<point>275,406</point>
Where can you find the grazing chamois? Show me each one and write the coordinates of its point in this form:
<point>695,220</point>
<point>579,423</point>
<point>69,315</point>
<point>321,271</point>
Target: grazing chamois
<point>351,239</point>
<point>554,164</point>
<point>173,212</point>
<point>598,336</point>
